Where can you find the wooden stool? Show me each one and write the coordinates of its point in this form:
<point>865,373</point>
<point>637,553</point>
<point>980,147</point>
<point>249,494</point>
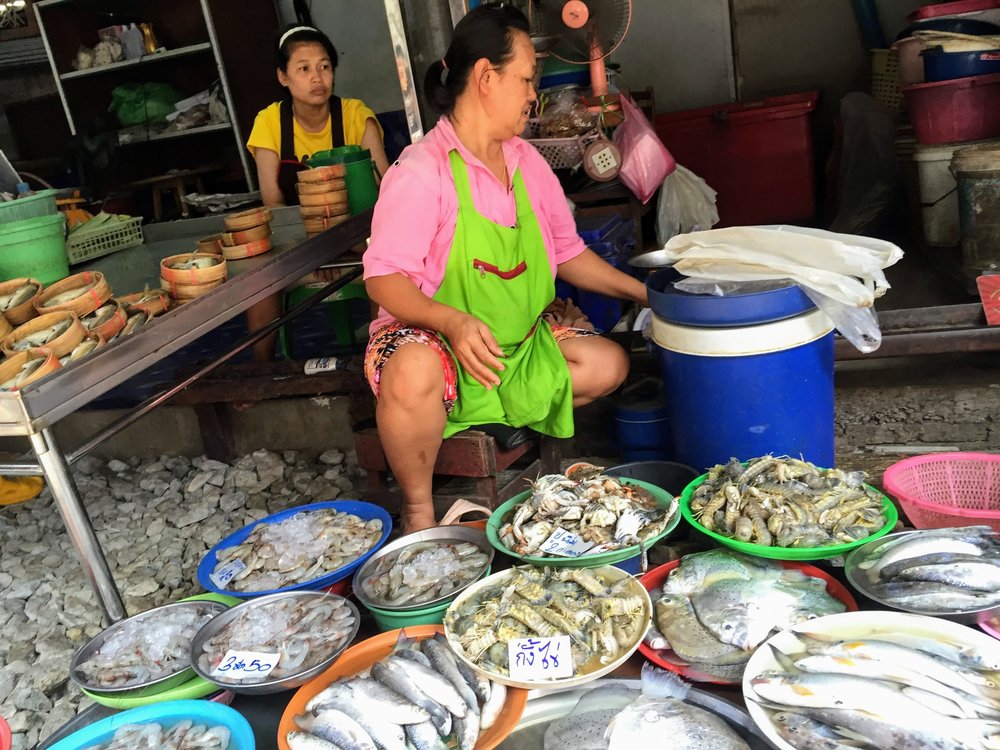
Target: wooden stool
<point>175,183</point>
<point>469,454</point>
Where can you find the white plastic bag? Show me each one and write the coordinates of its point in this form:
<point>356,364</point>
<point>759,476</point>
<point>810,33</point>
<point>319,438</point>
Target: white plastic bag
<point>841,273</point>
<point>686,204</point>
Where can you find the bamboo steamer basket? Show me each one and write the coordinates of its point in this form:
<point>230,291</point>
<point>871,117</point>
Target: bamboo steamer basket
<point>11,366</point>
<point>61,345</point>
<point>332,198</point>
<point>320,174</point>
<point>325,212</point>
<point>323,186</point>
<point>26,310</point>
<point>192,276</point>
<point>238,252</point>
<point>185,292</point>
<point>5,327</point>
<point>242,220</point>
<point>322,224</point>
<point>157,305</point>
<point>211,245</point>
<point>97,293</point>
<point>109,328</point>
<point>232,239</point>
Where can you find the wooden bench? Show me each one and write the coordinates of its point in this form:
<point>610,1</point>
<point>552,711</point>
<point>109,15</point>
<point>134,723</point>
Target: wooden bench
<point>473,455</point>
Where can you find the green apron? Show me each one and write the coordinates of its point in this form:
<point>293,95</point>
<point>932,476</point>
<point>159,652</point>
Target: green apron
<point>502,276</point>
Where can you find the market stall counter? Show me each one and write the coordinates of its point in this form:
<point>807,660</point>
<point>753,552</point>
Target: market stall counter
<point>33,410</point>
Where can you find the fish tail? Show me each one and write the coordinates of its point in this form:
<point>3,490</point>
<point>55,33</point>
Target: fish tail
<point>659,683</point>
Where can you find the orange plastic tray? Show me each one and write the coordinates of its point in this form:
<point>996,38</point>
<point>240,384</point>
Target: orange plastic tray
<point>363,655</point>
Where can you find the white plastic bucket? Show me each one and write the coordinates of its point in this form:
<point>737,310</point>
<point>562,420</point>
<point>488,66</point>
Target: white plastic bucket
<point>939,192</point>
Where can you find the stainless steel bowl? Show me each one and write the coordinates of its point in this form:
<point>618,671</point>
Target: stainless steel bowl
<point>442,534</point>
<point>269,684</point>
<point>859,580</point>
<point>183,673</point>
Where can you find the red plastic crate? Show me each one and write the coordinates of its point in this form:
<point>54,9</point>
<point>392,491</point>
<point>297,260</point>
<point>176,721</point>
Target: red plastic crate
<point>955,111</point>
<point>953,9</point>
<point>989,293</point>
<point>757,155</point>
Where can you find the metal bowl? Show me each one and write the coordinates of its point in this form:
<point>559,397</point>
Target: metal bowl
<point>437,534</point>
<point>150,687</point>
<point>268,685</point>
<point>858,578</point>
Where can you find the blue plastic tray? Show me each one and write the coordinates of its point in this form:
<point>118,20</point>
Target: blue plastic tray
<point>365,511</point>
<point>710,311</point>
<point>947,66</point>
<point>168,714</point>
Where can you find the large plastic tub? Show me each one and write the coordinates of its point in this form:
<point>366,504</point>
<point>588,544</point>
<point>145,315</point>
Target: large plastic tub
<point>965,109</point>
<point>757,155</point>
<point>984,10</point>
<point>34,248</point>
<point>938,194</point>
<point>947,66</point>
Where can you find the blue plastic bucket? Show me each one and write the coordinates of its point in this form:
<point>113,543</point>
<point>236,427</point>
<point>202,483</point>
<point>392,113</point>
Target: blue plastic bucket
<point>642,422</point>
<point>750,390</point>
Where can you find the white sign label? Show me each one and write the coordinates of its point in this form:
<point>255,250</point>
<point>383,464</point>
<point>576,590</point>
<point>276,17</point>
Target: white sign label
<point>564,543</point>
<point>537,659</point>
<point>222,576</point>
<point>246,665</point>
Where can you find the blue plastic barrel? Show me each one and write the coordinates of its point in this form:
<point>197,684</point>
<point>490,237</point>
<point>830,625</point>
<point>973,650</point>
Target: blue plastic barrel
<point>762,386</point>
<point>642,422</point>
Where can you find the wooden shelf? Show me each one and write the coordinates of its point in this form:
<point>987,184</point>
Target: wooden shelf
<point>156,57</point>
<point>144,138</point>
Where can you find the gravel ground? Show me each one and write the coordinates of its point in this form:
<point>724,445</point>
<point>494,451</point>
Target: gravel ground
<point>155,521</point>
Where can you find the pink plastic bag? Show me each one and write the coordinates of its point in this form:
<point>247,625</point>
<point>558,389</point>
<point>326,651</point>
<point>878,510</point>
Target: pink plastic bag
<point>645,160</point>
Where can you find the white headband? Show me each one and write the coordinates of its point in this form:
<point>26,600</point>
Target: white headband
<point>294,30</point>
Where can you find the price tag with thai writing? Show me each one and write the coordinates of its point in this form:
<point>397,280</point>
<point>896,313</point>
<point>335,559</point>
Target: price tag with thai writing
<point>564,543</point>
<point>535,659</point>
<point>246,665</point>
<point>226,573</point>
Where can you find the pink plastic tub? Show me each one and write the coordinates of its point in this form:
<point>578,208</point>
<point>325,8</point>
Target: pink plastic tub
<point>942,490</point>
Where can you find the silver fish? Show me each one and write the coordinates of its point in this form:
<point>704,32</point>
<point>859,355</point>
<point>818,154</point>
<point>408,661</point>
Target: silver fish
<point>39,338</point>
<point>305,741</point>
<point>444,664</point>
<point>480,685</point>
<point>493,706</point>
<point>689,639</point>
<point>23,374</point>
<point>374,697</point>
<point>18,297</point>
<point>62,299</point>
<point>434,685</point>
<point>186,265</point>
<point>99,316</point>
<point>648,721</point>
<point>804,733</point>
<point>336,727</point>
<point>968,541</point>
<point>396,678</point>
<point>385,734</point>
<point>424,737</point>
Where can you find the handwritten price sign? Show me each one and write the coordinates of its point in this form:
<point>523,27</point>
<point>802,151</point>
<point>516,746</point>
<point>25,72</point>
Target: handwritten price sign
<point>537,659</point>
<point>226,573</point>
<point>245,665</point>
<point>565,544</point>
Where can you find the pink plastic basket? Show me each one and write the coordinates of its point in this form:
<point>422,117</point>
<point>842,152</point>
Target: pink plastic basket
<point>947,489</point>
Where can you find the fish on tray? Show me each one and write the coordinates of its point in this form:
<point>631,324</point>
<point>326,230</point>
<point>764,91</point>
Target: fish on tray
<point>80,351</point>
<point>718,606</point>
<point>186,265</point>
<point>938,570</point>
<point>140,651</point>
<point>300,548</point>
<point>18,297</point>
<point>100,316</point>
<point>420,696</point>
<point>64,297</point>
<point>27,369</point>
<point>603,618</point>
<point>40,338</point>
<point>887,691</point>
<point>303,632</point>
<point>424,571</point>
<point>185,735</point>
<point>599,509</point>
<point>615,717</point>
<point>786,502</point>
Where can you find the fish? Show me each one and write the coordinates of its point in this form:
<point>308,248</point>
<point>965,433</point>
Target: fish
<point>396,678</point>
<point>80,351</point>
<point>300,548</point>
<point>804,733</point>
<point>186,265</point>
<point>336,727</point>
<point>605,512</point>
<point>385,734</point>
<point>972,540</point>
<point>373,697</point>
<point>99,316</point>
<point>184,735</point>
<point>661,712</point>
<point>702,569</point>
<point>135,321</point>
<point>27,369</point>
<point>689,639</point>
<point>436,687</point>
<point>444,664</point>
<point>422,572</point>
<point>134,652</point>
<point>64,297</point>
<point>39,338</point>
<point>306,741</point>
<point>787,502</point>
<point>18,297</point>
<point>302,632</point>
<point>493,706</point>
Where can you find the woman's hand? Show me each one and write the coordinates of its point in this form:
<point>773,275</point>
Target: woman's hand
<point>474,347</point>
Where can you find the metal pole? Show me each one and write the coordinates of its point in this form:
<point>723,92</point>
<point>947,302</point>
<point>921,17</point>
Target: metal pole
<point>404,69</point>
<point>77,523</point>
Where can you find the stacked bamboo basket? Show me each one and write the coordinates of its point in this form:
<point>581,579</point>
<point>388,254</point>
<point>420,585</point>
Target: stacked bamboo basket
<point>323,198</point>
<point>248,233</point>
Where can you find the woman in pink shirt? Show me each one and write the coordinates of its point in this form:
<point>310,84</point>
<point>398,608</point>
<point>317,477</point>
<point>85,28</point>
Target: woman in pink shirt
<point>470,231</point>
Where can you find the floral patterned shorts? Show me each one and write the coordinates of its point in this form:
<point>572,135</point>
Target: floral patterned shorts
<point>386,340</point>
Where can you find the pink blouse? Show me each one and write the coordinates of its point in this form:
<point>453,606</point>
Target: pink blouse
<point>414,221</point>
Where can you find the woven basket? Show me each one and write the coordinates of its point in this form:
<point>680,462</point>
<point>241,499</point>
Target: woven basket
<point>211,245</point>
<point>321,224</point>
<point>324,186</point>
<point>942,490</point>
<point>110,327</point>
<point>60,346</point>
<point>250,249</point>
<point>26,310</point>
<point>232,239</point>
<point>248,219</point>
<point>325,212</point>
<point>186,292</point>
<point>192,276</point>
<point>156,302</point>
<point>97,293</point>
<point>11,366</point>
<point>560,153</point>
<point>5,327</point>
<point>320,174</point>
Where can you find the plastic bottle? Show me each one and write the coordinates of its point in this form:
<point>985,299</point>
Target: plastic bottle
<point>24,190</point>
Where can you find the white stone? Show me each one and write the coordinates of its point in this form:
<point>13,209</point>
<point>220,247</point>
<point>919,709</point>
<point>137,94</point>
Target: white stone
<point>117,466</point>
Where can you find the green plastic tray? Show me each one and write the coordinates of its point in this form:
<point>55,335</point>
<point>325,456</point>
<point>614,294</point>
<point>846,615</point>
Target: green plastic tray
<point>786,553</point>
<point>499,517</point>
<point>194,688</point>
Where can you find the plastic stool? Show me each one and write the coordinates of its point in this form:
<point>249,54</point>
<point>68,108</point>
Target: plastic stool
<point>340,314</point>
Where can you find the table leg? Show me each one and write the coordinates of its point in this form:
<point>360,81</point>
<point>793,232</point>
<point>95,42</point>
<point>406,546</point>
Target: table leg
<point>81,532</point>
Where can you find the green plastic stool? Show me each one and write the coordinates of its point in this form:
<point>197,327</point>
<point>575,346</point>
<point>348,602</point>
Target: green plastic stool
<point>340,313</point>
